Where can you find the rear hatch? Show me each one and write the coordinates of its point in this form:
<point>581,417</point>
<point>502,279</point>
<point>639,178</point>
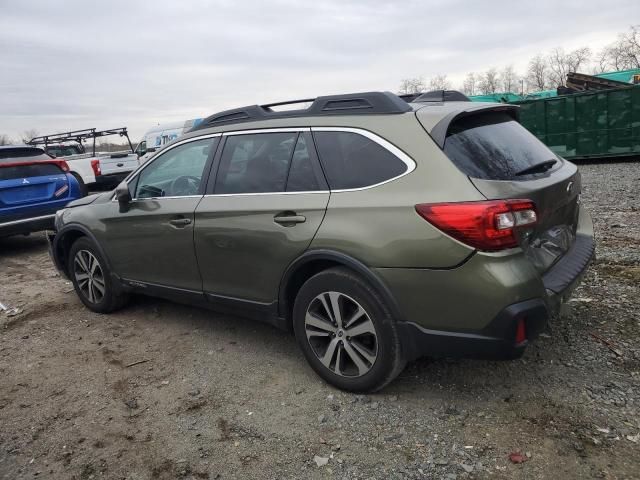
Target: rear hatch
<point>118,162</point>
<point>23,186</point>
<point>505,161</point>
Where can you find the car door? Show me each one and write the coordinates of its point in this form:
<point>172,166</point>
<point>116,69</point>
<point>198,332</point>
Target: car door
<point>261,211</point>
<point>151,244</point>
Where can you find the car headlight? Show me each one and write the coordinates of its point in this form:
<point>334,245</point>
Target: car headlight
<point>58,220</point>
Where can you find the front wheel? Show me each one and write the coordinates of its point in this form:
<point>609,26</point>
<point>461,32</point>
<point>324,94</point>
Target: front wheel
<point>92,279</point>
<point>346,332</point>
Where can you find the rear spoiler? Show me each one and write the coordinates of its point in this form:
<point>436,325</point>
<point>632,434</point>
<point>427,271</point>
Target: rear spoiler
<point>440,129</point>
<point>60,163</point>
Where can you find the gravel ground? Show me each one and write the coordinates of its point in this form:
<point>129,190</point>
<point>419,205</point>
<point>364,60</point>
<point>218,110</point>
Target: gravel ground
<point>160,390</point>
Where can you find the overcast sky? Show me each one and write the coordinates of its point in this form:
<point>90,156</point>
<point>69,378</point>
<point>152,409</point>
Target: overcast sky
<point>78,64</point>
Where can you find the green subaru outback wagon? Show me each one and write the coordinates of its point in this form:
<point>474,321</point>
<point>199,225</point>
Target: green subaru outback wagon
<point>377,228</point>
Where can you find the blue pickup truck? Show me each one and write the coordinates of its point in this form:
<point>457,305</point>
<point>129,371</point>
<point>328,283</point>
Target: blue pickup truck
<point>33,186</point>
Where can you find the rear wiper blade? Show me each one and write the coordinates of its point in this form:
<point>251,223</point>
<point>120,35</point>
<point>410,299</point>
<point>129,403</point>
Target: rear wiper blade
<point>538,167</point>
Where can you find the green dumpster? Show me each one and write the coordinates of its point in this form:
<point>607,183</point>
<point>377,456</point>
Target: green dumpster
<point>598,124</point>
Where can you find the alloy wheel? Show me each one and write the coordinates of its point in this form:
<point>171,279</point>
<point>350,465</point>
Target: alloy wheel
<point>89,276</point>
<point>341,334</point>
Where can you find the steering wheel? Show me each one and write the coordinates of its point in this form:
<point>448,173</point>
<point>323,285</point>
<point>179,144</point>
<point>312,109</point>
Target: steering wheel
<point>184,185</point>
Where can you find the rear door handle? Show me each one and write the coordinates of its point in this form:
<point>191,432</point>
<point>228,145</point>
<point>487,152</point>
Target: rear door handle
<point>180,222</point>
<point>289,219</point>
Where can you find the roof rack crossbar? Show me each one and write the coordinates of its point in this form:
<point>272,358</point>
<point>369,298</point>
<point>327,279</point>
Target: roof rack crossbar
<point>349,104</point>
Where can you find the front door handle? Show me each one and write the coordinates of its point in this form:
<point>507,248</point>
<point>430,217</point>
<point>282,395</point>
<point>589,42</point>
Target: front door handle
<point>289,218</point>
<point>180,222</point>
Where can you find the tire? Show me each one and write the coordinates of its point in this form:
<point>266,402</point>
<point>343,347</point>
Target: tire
<point>374,334</point>
<point>84,191</point>
<point>82,258</point>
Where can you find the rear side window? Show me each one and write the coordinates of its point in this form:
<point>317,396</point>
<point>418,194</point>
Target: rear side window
<point>493,146</point>
<point>256,163</point>
<point>27,171</point>
<point>351,160</point>
<point>302,177</point>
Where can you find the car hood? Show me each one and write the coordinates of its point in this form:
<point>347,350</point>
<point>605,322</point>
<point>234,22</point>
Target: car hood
<point>89,199</point>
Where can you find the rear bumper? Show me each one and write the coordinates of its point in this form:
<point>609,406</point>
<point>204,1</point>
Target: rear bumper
<point>27,225</point>
<point>474,309</point>
<point>562,279</point>
<point>495,341</point>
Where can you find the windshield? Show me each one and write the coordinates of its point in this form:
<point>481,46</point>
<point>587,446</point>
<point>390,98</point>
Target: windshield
<point>493,146</point>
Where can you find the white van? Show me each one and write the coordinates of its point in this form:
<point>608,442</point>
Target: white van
<point>160,135</point>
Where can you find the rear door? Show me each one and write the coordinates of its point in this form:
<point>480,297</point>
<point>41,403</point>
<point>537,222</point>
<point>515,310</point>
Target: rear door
<point>31,189</point>
<point>261,212</point>
<point>504,160</point>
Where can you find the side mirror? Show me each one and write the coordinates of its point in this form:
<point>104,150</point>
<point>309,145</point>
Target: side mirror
<point>123,195</point>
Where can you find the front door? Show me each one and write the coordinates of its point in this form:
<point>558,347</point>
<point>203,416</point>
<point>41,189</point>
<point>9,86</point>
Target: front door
<point>152,242</point>
<point>267,202</point>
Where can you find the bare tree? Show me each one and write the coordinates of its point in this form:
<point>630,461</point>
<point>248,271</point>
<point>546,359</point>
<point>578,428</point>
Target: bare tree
<point>439,82</point>
<point>624,53</point>
<point>601,62</point>
<point>412,85</point>
<point>27,135</point>
<point>631,43</point>
<point>561,63</point>
<point>538,73</point>
<point>489,81</point>
<point>469,84</point>
<point>509,79</point>
<point>5,139</point>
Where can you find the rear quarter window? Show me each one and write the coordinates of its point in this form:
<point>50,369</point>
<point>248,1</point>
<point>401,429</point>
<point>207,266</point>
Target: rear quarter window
<point>494,146</point>
<point>351,160</point>
<point>27,171</point>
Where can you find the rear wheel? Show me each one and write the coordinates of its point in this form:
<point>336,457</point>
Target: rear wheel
<point>346,332</point>
<point>92,279</point>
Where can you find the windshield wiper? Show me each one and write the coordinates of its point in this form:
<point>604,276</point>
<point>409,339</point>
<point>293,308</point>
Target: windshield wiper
<point>538,167</point>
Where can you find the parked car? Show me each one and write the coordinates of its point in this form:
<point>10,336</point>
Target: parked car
<point>162,134</point>
<point>33,185</point>
<point>91,169</point>
<point>377,230</point>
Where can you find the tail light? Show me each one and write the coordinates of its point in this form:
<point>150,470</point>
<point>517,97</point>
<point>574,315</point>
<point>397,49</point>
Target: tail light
<point>487,225</point>
<point>95,165</point>
<point>64,166</point>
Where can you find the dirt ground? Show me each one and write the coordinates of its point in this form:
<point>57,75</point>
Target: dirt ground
<point>160,390</point>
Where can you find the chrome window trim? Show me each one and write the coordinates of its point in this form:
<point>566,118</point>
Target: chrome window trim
<point>390,147</point>
<point>135,173</point>
<point>406,159</point>
<point>263,193</point>
<point>266,130</point>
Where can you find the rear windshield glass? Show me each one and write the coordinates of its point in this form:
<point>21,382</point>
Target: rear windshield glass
<point>9,155</point>
<point>26,171</point>
<point>493,146</point>
<point>64,150</point>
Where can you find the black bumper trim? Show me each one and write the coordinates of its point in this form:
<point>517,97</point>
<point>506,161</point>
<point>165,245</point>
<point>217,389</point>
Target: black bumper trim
<point>571,265</point>
<point>495,341</point>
